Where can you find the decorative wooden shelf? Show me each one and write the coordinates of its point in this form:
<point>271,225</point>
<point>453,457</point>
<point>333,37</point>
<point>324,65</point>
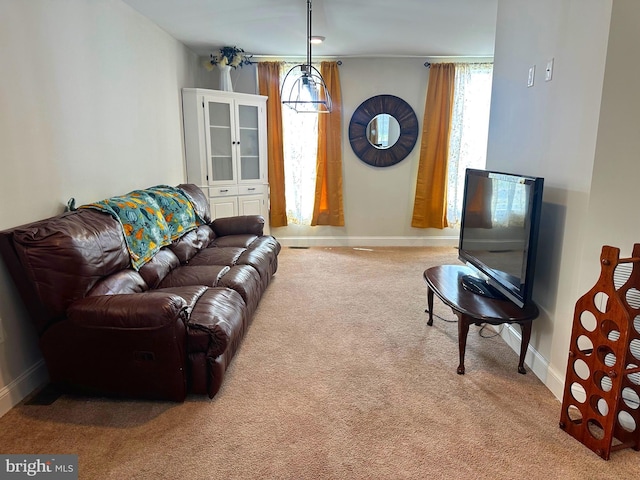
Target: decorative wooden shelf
<point>601,401</point>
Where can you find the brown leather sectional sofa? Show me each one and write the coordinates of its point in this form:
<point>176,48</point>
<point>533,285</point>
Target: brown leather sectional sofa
<point>169,329</point>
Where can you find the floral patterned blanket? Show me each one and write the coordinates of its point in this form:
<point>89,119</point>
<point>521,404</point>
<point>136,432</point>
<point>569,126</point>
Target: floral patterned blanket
<point>150,218</point>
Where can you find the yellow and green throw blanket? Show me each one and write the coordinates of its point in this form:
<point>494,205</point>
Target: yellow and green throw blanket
<point>150,218</point>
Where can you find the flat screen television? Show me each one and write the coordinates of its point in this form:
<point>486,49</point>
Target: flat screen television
<point>499,233</point>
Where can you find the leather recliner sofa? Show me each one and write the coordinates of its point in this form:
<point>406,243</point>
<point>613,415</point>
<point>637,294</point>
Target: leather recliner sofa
<point>162,331</point>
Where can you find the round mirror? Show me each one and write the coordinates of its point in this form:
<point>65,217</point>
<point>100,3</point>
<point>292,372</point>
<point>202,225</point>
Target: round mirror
<point>383,131</point>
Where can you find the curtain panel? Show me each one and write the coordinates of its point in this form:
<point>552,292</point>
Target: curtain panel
<point>328,208</point>
<point>269,85</point>
<point>469,130</point>
<point>430,204</point>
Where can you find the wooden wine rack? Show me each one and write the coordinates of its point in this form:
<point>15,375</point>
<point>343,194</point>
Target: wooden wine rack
<point>600,406</point>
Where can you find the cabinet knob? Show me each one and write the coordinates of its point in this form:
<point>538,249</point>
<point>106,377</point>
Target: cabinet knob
<point>251,189</point>
<point>224,191</point>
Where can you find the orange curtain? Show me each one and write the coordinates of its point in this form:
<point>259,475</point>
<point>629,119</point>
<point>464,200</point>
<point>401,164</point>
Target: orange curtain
<point>430,205</point>
<point>269,85</point>
<point>327,207</point>
<point>478,208</point>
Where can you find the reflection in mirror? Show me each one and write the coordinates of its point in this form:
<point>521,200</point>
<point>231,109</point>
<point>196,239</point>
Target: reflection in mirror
<point>383,131</point>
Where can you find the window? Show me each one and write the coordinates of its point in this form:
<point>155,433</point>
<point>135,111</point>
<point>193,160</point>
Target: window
<point>300,142</point>
<point>467,144</point>
<point>469,130</point>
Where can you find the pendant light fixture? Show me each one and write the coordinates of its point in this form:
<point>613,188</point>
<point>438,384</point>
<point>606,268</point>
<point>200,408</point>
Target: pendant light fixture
<point>303,88</point>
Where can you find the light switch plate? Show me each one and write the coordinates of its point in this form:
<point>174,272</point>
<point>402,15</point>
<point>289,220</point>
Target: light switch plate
<point>548,72</point>
<point>532,76</point>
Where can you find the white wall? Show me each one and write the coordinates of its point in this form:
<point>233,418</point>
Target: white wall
<point>550,130</point>
<point>244,79</point>
<point>378,202</point>
<point>614,190</point>
<point>90,108</point>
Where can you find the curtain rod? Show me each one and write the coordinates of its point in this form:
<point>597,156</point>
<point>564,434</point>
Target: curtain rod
<point>427,64</point>
<point>293,59</point>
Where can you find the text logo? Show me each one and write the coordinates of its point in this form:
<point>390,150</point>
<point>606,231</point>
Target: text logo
<point>50,467</point>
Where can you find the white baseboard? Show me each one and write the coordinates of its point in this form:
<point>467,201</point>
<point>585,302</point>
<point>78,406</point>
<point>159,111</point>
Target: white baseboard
<point>539,365</point>
<point>331,241</point>
<point>12,394</point>
<point>555,383</point>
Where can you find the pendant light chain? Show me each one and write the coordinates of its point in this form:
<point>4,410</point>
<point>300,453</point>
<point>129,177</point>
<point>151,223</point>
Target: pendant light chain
<point>308,32</point>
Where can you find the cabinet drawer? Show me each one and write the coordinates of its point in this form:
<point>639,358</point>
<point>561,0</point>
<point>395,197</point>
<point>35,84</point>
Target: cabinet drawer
<point>250,189</point>
<point>223,191</point>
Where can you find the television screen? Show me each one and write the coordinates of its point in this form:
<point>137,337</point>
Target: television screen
<point>499,232</point>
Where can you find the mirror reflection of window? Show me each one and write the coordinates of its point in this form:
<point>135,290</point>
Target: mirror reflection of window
<point>383,131</point>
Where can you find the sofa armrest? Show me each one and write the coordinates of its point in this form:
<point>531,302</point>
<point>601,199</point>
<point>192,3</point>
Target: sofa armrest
<point>137,311</point>
<point>242,225</point>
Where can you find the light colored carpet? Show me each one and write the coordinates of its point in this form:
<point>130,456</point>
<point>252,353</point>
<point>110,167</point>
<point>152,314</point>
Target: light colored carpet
<point>339,377</point>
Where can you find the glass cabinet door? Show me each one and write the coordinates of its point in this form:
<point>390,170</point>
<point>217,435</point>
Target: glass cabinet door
<point>249,142</point>
<point>220,142</point>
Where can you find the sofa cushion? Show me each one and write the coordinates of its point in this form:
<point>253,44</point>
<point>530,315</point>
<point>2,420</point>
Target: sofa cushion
<point>65,256</point>
<point>207,275</point>
<point>122,282</point>
<point>140,311</point>
<point>198,199</point>
<point>186,246</point>
<point>217,256</point>
<point>189,294</point>
<point>159,267</point>
<point>189,244</point>
<point>239,241</point>
<point>260,255</point>
<point>251,224</point>
<point>245,280</point>
<point>206,235</point>
<point>216,322</point>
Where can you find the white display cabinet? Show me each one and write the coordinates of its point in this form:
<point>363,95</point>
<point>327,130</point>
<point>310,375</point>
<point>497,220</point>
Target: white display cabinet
<point>226,150</point>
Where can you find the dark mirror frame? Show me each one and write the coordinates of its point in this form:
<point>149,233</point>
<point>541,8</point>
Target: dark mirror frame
<point>397,108</point>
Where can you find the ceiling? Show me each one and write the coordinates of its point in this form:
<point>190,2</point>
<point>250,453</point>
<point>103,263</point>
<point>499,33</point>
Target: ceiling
<point>353,28</point>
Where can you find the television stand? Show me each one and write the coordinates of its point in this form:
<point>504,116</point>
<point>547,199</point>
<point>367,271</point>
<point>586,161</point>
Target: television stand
<point>446,282</point>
